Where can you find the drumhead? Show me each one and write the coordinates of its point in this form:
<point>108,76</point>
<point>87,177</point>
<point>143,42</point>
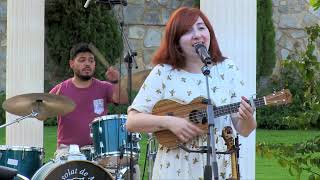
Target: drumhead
<point>72,170</point>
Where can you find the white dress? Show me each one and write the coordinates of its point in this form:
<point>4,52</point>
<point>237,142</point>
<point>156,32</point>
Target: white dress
<point>226,86</point>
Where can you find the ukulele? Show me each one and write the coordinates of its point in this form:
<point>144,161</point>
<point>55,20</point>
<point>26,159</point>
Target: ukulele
<point>195,112</point>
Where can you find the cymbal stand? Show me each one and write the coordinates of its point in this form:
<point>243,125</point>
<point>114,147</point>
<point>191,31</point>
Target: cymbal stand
<point>31,115</point>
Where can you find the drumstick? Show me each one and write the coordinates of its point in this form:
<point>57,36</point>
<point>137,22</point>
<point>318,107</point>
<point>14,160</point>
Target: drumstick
<point>99,55</point>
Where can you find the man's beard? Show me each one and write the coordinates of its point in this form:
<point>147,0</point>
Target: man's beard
<point>84,77</point>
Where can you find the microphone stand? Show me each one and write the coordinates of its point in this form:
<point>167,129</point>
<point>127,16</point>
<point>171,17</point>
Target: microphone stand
<point>211,150</point>
<point>129,58</point>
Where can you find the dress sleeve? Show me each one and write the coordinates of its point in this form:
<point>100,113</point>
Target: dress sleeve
<point>151,91</point>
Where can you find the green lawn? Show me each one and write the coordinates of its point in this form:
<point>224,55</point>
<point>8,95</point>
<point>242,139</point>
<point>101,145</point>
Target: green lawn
<point>269,169</point>
<point>266,169</point>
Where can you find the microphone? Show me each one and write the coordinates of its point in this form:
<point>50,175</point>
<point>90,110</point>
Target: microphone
<point>86,4</point>
<point>202,51</point>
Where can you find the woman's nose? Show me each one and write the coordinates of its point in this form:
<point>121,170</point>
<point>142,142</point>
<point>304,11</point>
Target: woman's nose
<point>196,34</point>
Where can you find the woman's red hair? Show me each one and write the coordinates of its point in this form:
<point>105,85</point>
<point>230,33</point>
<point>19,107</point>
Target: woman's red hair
<point>179,23</point>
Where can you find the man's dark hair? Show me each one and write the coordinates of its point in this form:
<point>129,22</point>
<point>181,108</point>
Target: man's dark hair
<point>79,48</point>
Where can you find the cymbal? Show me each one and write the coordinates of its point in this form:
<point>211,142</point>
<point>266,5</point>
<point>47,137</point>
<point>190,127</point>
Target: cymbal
<point>45,104</point>
<point>137,79</point>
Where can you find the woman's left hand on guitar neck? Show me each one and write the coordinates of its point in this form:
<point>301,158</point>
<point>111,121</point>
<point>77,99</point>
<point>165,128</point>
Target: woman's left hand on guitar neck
<point>244,121</point>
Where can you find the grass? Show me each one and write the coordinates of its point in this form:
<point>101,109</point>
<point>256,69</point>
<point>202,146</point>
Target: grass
<point>266,169</point>
<point>269,169</point>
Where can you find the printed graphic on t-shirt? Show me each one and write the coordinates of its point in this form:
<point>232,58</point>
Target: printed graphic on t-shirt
<point>98,106</point>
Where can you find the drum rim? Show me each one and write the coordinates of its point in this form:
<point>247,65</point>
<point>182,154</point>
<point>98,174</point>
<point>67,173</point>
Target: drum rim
<point>109,117</point>
<point>20,148</point>
<point>60,163</point>
<point>114,154</point>
<point>87,147</point>
<point>38,171</point>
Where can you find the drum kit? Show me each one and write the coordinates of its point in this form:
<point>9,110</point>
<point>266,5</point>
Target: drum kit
<point>107,158</point>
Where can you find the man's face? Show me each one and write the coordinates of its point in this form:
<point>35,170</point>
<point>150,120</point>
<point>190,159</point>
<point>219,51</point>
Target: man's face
<point>83,65</point>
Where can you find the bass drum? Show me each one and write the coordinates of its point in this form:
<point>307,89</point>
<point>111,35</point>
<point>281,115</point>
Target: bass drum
<point>55,170</point>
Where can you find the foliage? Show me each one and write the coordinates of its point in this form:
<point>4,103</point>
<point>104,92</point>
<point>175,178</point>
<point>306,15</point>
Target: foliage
<point>308,69</point>
<point>50,122</point>
<point>296,158</point>
<point>265,38</point>
<point>315,4</point>
<point>2,111</point>
<point>303,156</point>
<point>276,117</point>
<point>196,3</point>
<point>68,23</point>
<point>300,73</point>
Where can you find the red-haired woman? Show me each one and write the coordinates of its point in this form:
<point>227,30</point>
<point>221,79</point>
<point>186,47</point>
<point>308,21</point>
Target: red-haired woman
<point>177,76</point>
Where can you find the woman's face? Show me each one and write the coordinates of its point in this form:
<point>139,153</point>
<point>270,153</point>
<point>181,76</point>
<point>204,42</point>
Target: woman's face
<point>198,33</point>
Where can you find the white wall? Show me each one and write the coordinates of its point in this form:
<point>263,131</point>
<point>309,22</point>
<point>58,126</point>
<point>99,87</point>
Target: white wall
<point>25,65</point>
<point>234,23</point>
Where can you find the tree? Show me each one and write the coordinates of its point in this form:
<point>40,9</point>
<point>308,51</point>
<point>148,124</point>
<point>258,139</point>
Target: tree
<point>68,23</point>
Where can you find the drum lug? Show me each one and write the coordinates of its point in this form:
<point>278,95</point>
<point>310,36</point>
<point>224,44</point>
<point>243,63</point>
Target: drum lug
<point>136,137</point>
<point>101,144</point>
<point>42,155</point>
<point>100,130</point>
<point>23,154</point>
<point>91,135</point>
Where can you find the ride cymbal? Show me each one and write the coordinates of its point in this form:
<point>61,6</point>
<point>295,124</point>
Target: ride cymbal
<point>45,104</point>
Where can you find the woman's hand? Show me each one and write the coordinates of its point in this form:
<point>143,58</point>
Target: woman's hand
<point>244,121</point>
<point>245,110</point>
<point>182,128</point>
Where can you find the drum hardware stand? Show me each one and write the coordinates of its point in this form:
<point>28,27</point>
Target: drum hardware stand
<point>33,114</point>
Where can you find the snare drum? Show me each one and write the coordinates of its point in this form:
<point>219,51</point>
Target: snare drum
<point>78,169</point>
<point>111,142</point>
<point>27,160</point>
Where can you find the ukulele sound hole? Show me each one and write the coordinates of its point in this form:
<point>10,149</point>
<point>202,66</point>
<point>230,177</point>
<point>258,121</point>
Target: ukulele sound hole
<point>197,117</point>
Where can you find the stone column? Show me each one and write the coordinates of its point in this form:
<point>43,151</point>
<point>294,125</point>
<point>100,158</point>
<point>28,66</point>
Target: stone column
<point>25,65</point>
<point>234,23</point>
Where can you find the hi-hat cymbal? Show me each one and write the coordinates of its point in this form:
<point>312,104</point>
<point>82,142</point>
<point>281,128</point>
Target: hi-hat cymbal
<point>45,104</point>
<point>137,79</point>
